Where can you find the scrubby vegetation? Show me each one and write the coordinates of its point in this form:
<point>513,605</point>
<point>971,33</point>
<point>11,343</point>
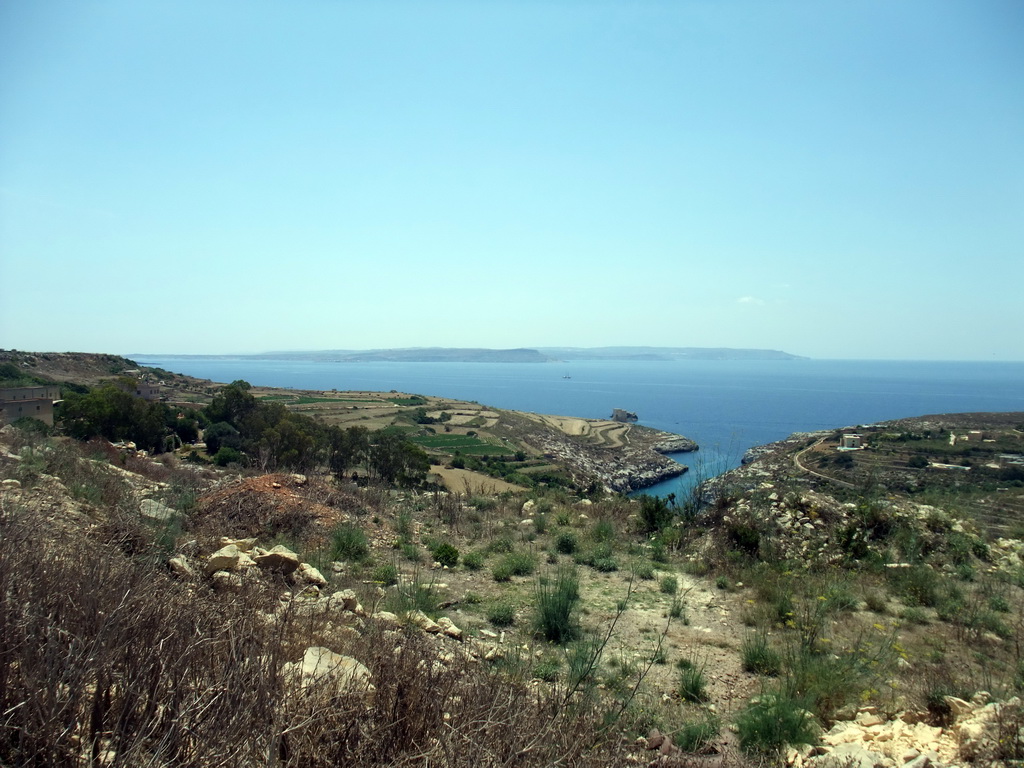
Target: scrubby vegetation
<point>542,628</point>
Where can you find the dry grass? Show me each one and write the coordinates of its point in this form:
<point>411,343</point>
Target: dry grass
<point>105,659</point>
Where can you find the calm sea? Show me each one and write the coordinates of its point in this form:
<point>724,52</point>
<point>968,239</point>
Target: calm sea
<point>727,406</point>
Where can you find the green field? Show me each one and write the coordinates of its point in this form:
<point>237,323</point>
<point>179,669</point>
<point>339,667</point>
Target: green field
<point>306,400</point>
<point>461,443</point>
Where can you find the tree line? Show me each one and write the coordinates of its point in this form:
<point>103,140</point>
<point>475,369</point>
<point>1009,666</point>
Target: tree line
<point>237,427</point>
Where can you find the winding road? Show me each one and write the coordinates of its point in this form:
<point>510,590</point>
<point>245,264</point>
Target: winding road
<point>797,463</point>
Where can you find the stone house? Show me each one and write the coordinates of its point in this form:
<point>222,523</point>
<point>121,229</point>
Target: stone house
<point>34,402</point>
<point>851,441</point>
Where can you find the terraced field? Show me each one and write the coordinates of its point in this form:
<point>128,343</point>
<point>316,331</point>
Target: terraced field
<point>611,434</point>
<point>466,444</point>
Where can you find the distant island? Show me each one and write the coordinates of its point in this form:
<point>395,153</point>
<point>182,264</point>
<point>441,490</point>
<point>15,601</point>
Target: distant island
<point>518,355</point>
<point>665,353</point>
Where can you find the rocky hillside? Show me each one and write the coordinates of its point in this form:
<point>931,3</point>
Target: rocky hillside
<point>175,613</point>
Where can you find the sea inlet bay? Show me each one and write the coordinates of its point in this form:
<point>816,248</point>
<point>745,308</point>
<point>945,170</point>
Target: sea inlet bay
<point>727,406</point>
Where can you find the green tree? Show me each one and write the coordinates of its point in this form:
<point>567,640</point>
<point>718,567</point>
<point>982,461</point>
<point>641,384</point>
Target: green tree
<point>292,442</point>
<point>233,404</point>
<point>392,459</point>
<point>221,435</point>
<point>115,414</point>
<point>346,448</point>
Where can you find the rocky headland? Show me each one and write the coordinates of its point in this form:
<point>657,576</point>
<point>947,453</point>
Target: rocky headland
<point>621,457</point>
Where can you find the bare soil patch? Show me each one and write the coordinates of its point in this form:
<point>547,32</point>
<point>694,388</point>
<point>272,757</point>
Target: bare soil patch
<point>469,482</point>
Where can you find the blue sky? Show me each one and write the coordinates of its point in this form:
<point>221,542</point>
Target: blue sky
<point>837,179</point>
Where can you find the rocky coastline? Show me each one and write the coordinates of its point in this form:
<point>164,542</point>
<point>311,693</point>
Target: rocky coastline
<point>675,444</point>
<point>631,468</point>
<point>638,462</point>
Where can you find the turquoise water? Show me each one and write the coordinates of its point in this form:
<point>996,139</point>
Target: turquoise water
<point>727,406</point>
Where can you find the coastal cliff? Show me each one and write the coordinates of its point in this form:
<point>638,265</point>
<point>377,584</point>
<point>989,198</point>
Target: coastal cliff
<point>621,457</point>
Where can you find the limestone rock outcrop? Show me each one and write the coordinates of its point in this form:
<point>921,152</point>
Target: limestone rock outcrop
<point>323,668</point>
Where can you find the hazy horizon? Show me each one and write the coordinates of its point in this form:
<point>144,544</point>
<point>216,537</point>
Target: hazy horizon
<point>541,347</point>
<point>837,181</point>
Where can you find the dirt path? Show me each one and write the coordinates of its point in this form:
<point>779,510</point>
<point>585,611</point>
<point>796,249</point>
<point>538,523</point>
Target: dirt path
<point>800,466</point>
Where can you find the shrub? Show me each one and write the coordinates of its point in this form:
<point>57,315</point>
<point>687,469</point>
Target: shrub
<point>603,531</point>
<point>502,571</point>
<point>937,689</point>
<point>385,574</point>
<point>227,455</point>
<point>677,610</point>
<point>403,525</point>
<point>759,657</point>
<point>547,669</point>
<point>669,584</point>
<point>473,561</point>
<point>483,503</point>
<point>744,538</point>
<point>692,683</point>
<point>80,618</point>
<point>915,615</point>
<point>655,514</point>
<point>696,735</point>
<point>446,555</point>
<point>502,545</point>
<point>501,613</point>
<point>556,601</point>
<point>990,621</point>
<point>411,552</point>
<point>582,658</point>
<point>826,682</point>
<point>348,542</point>
<point>918,584</point>
<point>966,572</point>
<point>599,558</point>
<point>999,603</point>
<point>771,722</point>
<point>521,563</point>
<point>839,597</point>
<point>566,542</point>
<point>414,595</point>
<point>659,553</point>
<point>876,601</point>
<point>644,571</point>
